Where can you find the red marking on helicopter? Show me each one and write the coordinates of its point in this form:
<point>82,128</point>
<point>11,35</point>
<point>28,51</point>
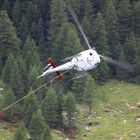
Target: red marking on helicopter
<point>50,61</point>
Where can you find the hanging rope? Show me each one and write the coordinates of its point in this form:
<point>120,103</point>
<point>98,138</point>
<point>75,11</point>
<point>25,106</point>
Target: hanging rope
<point>51,81</point>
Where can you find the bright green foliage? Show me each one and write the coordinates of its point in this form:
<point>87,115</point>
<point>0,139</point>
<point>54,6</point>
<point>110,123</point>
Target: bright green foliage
<point>9,98</point>
<point>37,125</point>
<point>21,133</point>
<point>30,106</point>
<point>70,108</point>
<point>89,91</point>
<point>8,37</point>
<point>46,135</point>
<point>49,108</point>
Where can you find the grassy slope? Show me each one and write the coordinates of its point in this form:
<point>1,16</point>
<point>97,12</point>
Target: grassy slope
<point>115,107</point>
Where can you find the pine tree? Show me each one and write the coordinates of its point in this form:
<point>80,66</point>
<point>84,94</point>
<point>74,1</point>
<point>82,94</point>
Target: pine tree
<point>58,17</point>
<point>17,12</point>
<point>8,69</point>
<point>124,12</point>
<point>9,41</point>
<point>32,13</point>
<point>30,106</point>
<point>70,109</point>
<point>78,88</point>
<point>1,64</point>
<point>37,125</point>
<point>101,43</point>
<point>32,77</point>
<point>60,103</point>
<point>120,72</point>
<point>100,34</point>
<point>23,73</point>
<point>9,98</point>
<point>89,91</point>
<point>49,108</point>
<point>16,82</point>
<point>23,29</point>
<point>21,133</point>
<point>111,21</point>
<point>46,135</point>
<point>130,48</point>
<point>31,56</point>
<point>137,58</point>
<point>135,17</point>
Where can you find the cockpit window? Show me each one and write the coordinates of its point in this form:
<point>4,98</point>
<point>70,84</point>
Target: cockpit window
<point>90,54</point>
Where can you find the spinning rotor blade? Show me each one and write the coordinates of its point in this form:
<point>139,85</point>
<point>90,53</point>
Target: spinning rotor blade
<point>79,26</point>
<point>120,64</point>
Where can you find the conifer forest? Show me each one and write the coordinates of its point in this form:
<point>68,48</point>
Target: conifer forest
<point>31,31</point>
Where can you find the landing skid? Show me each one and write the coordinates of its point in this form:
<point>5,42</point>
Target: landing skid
<point>80,75</point>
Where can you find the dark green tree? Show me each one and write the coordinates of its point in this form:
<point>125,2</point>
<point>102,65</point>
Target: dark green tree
<point>31,56</point>
<point>60,103</point>
<point>124,12</point>
<point>49,108</point>
<point>23,29</point>
<point>130,48</point>
<point>37,125</point>
<point>32,13</point>
<point>111,21</point>
<point>135,17</point>
<point>33,81</point>
<point>23,73</point>
<point>17,12</point>
<point>9,98</point>
<point>9,41</point>
<point>58,17</point>
<point>46,135</point>
<point>70,107</point>
<point>16,81</point>
<point>101,43</point>
<point>21,133</point>
<point>78,88</point>
<point>100,34</point>
<point>89,91</point>
<point>30,106</point>
<point>121,73</point>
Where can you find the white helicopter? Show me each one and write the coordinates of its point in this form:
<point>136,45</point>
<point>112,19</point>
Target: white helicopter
<point>82,62</point>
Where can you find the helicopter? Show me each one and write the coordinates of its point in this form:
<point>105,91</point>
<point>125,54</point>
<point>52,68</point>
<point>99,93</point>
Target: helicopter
<point>83,62</point>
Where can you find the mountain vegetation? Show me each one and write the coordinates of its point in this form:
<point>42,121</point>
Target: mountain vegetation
<point>31,31</point>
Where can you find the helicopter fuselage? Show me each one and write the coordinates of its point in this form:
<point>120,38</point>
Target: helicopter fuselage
<point>83,62</point>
